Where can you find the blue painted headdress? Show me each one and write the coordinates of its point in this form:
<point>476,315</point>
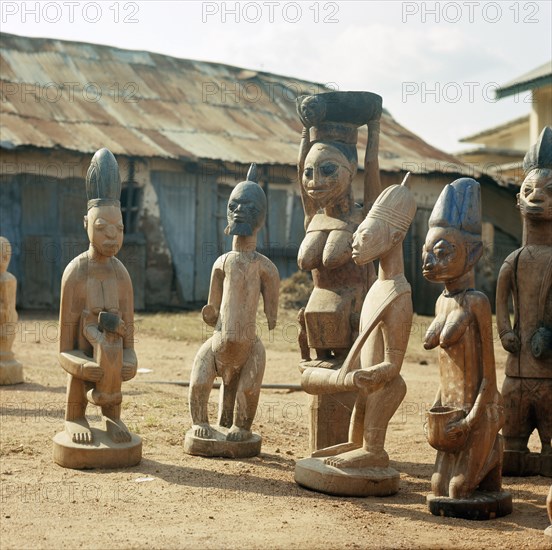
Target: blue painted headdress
<point>459,206</point>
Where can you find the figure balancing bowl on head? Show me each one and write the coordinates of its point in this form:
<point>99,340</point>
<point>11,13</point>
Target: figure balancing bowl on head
<point>360,466</point>
<point>526,279</point>
<point>234,352</point>
<point>467,414</point>
<point>327,166</point>
<point>96,332</point>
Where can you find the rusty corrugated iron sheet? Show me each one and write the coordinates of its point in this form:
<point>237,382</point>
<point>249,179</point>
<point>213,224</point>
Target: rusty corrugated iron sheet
<point>81,97</point>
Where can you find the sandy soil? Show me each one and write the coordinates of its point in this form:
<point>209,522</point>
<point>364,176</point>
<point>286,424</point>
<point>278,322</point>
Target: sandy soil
<point>172,500</point>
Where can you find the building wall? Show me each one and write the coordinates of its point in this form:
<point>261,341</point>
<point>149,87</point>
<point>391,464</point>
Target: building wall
<point>513,137</point>
<point>43,200</point>
<point>180,225</point>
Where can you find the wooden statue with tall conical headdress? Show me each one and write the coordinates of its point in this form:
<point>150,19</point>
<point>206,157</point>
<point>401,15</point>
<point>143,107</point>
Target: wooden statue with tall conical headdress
<point>526,277</point>
<point>467,414</point>
<point>360,466</point>
<point>96,322</point>
<point>234,352</point>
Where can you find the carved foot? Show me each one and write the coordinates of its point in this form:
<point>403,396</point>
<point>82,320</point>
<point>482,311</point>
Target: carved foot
<point>202,431</point>
<point>238,434</point>
<point>79,431</point>
<point>335,450</point>
<point>359,458</point>
<point>117,431</point>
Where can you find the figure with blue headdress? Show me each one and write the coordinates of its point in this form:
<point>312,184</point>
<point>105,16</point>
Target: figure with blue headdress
<point>467,414</point>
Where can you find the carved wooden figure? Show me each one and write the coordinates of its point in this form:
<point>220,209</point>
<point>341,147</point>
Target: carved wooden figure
<point>234,352</point>
<point>360,466</point>
<point>96,332</point>
<point>526,277</point>
<point>11,370</point>
<point>467,414</point>
<point>326,168</point>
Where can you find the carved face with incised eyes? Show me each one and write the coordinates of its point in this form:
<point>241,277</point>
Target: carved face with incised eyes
<point>246,211</point>
<point>327,174</point>
<point>104,225</point>
<point>535,196</point>
<point>447,254</point>
<point>373,239</point>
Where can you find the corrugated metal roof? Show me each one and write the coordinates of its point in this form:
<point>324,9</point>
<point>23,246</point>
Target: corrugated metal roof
<point>523,120</point>
<point>541,76</point>
<point>81,97</point>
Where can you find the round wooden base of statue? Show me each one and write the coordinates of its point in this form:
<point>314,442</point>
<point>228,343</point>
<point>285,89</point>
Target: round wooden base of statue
<point>312,473</point>
<point>219,446</point>
<point>11,372</point>
<point>101,453</point>
<point>480,506</point>
<point>520,464</point>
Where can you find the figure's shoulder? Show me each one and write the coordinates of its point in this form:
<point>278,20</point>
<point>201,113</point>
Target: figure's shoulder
<point>221,261</point>
<point>511,258</point>
<point>267,265</point>
<point>7,277</point>
<point>76,269</point>
<point>120,269</point>
<point>478,300</point>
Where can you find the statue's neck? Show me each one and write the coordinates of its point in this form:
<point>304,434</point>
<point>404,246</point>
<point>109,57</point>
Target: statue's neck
<point>537,232</point>
<point>462,283</point>
<point>242,243</point>
<point>341,209</point>
<point>392,264</point>
<point>96,257</point>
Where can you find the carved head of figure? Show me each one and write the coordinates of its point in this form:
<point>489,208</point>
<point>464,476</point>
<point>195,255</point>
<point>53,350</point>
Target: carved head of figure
<point>104,221</point>
<point>386,224</point>
<point>535,197</point>
<point>246,211</point>
<point>328,173</point>
<point>5,254</point>
<point>453,243</point>
<point>328,159</point>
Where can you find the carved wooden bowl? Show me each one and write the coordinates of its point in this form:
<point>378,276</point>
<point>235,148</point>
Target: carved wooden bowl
<point>438,418</point>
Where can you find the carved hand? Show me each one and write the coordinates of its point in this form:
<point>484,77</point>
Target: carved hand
<point>365,379</point>
<point>210,314</point>
<point>121,329</point>
<point>510,341</point>
<point>129,371</point>
<point>457,429</point>
<point>130,364</point>
<point>91,371</point>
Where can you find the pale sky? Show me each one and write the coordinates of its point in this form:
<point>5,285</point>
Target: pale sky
<point>436,64</point>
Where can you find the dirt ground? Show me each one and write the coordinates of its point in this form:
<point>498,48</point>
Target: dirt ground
<point>172,500</point>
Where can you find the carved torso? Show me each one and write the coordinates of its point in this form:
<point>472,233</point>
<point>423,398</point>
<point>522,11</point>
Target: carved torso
<point>340,285</point>
<point>526,268</point>
<point>460,362</point>
<point>235,330</point>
